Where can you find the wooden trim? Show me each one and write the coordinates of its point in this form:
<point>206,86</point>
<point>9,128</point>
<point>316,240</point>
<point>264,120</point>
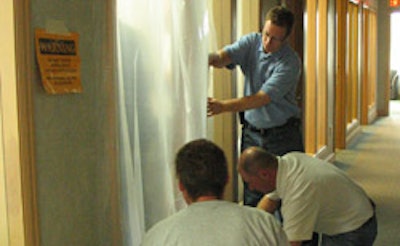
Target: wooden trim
<point>372,114</point>
<point>352,92</point>
<point>112,144</point>
<point>353,129</point>
<point>369,66</point>
<point>340,126</point>
<point>325,154</point>
<point>322,71</point>
<point>310,79</point>
<point>235,126</point>
<point>316,77</point>
<point>372,65</point>
<point>26,124</point>
<point>296,39</point>
<point>365,53</point>
<point>16,141</point>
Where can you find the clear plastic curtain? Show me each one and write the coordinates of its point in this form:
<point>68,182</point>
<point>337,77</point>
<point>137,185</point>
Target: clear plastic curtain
<point>162,85</point>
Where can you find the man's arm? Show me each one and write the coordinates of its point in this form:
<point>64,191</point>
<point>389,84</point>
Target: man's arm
<point>267,204</point>
<point>219,59</point>
<point>270,206</point>
<point>257,100</point>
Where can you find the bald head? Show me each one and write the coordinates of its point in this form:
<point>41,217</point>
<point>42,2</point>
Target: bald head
<point>253,159</point>
<point>258,169</point>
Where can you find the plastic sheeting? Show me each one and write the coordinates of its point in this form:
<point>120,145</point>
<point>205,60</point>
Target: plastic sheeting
<point>162,57</point>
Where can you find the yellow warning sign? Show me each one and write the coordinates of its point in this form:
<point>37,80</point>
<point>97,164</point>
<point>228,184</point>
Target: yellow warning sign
<point>59,62</point>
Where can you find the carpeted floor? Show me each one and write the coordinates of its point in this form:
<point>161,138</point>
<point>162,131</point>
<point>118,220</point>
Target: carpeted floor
<point>373,161</point>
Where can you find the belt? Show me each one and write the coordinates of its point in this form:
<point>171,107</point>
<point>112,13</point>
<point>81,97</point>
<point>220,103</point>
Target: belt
<point>293,121</point>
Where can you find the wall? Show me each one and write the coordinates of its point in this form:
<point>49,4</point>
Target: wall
<point>248,21</point>
<point>221,83</point>
<point>3,197</point>
<point>383,66</point>
<point>74,138</point>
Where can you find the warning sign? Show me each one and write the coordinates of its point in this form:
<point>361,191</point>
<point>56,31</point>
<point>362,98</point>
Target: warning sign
<point>59,62</point>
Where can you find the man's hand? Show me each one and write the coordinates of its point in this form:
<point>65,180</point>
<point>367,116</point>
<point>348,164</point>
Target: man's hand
<point>213,59</point>
<point>257,100</point>
<point>219,59</point>
<point>214,107</point>
<point>267,204</point>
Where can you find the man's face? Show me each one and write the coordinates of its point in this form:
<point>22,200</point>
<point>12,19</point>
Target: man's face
<point>258,182</point>
<point>273,37</point>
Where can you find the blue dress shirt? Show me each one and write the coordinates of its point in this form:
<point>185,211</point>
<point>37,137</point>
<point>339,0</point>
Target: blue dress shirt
<point>277,74</point>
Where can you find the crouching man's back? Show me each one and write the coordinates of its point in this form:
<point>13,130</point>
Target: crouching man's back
<point>208,220</point>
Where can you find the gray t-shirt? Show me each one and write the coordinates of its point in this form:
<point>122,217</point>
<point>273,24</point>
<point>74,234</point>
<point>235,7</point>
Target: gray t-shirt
<point>318,197</point>
<point>217,223</point>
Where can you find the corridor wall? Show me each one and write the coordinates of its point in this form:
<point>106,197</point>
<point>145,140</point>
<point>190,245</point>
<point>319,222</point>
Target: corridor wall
<point>74,140</point>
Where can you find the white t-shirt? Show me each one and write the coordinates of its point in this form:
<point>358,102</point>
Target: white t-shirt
<point>317,196</point>
<point>217,223</point>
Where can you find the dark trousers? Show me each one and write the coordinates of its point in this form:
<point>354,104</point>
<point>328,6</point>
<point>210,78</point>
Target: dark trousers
<point>278,140</point>
<point>365,235</point>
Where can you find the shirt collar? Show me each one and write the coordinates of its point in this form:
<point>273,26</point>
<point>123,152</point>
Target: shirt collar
<point>277,55</point>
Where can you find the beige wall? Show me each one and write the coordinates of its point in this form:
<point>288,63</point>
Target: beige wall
<point>11,213</point>
<point>225,127</point>
<point>222,88</point>
<point>248,21</point>
<point>3,203</point>
<point>383,66</point>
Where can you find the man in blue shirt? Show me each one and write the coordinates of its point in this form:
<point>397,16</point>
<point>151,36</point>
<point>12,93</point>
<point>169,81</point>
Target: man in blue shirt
<point>272,71</point>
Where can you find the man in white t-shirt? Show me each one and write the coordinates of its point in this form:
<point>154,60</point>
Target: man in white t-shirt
<point>316,197</point>
<point>201,169</point>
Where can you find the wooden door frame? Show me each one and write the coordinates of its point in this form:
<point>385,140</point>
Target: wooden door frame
<point>19,171</point>
<point>24,58</point>
<point>340,119</point>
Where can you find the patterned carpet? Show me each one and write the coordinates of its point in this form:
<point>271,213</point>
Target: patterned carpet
<point>373,161</point>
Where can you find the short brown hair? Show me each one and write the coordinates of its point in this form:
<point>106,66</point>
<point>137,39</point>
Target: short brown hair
<point>282,17</point>
<point>201,167</point>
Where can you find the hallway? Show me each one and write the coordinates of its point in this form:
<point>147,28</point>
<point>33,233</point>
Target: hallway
<point>373,161</point>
